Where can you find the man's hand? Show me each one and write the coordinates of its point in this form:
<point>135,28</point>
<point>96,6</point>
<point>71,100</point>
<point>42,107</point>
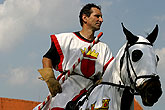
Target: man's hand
<point>54,86</point>
<point>48,76</point>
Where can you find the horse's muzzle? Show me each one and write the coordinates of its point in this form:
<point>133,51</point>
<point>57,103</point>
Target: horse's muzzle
<point>150,92</point>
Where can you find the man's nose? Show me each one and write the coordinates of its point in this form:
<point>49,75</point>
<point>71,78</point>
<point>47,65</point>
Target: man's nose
<point>100,19</point>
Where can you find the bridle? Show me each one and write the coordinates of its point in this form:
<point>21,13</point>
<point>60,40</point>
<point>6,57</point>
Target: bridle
<point>126,53</point>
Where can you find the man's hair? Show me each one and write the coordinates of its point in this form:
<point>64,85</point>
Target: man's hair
<point>87,11</point>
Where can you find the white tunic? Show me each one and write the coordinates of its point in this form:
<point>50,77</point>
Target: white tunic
<point>70,47</point>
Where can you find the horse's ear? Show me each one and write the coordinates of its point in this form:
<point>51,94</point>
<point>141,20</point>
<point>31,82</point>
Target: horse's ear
<point>130,37</point>
<point>153,35</point>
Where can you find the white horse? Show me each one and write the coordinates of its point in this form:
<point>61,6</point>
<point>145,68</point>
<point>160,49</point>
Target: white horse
<point>132,72</point>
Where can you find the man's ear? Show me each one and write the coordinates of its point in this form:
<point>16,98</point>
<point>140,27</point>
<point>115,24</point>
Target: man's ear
<point>84,18</point>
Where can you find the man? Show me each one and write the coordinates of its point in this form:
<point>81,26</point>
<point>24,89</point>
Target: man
<point>65,49</point>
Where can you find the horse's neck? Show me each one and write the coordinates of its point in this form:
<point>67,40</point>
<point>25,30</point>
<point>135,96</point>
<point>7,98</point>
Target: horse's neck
<point>114,95</point>
<point>112,73</point>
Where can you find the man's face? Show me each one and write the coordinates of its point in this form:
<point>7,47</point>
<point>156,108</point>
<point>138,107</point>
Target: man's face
<point>95,20</point>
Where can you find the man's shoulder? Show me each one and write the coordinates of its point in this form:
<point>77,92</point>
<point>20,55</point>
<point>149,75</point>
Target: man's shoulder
<point>103,44</point>
<point>64,37</point>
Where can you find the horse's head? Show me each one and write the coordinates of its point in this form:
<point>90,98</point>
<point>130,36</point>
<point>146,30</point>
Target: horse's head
<point>141,66</point>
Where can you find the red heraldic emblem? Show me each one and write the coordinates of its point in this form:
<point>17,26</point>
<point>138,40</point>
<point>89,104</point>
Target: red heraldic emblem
<point>88,63</point>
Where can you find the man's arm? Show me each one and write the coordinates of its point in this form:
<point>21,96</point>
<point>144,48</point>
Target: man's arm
<point>47,63</point>
<point>47,72</point>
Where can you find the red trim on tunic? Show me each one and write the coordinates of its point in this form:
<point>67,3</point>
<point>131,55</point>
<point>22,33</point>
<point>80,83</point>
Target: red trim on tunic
<point>57,45</point>
<point>77,96</point>
<point>105,66</point>
<point>57,108</point>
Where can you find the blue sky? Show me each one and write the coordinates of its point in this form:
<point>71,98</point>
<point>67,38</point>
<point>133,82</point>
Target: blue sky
<point>25,26</point>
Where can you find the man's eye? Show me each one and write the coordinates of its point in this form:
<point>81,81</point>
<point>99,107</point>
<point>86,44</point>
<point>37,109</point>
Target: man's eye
<point>98,16</point>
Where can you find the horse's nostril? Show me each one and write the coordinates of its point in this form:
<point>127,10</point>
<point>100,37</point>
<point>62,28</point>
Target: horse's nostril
<point>152,90</point>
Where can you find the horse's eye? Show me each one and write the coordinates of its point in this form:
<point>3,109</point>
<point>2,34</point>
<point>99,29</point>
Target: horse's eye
<point>157,57</point>
<point>136,55</point>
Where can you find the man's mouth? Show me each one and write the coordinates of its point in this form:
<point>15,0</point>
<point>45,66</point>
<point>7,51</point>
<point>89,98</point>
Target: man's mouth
<point>99,24</point>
